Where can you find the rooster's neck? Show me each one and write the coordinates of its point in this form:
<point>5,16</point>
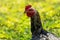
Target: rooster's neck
<point>36,25</point>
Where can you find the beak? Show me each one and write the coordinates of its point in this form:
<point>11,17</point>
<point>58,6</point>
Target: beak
<point>24,11</point>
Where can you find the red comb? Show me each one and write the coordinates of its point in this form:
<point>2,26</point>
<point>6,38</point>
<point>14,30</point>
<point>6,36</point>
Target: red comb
<point>27,7</point>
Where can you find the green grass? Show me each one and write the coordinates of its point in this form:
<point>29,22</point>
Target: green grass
<point>15,25</point>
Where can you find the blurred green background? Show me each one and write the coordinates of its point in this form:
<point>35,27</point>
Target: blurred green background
<point>15,25</point>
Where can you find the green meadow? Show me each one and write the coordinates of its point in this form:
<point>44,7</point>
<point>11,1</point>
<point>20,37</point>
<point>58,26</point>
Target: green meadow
<point>15,25</point>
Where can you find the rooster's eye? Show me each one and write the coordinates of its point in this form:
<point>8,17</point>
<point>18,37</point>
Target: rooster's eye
<point>30,9</point>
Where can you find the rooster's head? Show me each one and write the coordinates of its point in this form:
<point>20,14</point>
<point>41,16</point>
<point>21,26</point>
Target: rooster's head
<point>29,10</point>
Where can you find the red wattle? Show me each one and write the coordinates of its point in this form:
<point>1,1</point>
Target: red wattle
<point>30,14</point>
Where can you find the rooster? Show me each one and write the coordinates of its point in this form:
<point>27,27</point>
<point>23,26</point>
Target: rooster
<point>38,33</point>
